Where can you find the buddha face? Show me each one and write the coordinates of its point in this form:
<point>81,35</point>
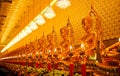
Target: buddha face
<point>64,33</point>
<point>49,37</point>
<point>87,24</point>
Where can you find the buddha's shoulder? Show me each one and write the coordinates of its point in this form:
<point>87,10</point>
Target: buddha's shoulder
<point>93,32</point>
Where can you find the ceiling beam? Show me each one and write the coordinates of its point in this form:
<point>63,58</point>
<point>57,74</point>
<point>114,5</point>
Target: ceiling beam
<point>9,1</point>
<point>3,16</point>
<point>1,24</point>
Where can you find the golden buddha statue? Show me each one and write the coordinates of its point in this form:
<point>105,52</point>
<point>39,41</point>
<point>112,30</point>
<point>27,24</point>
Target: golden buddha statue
<point>67,42</point>
<point>52,45</point>
<point>35,49</point>
<point>30,53</point>
<point>51,49</point>
<point>64,34</point>
<point>35,45</point>
<point>42,44</point>
<point>26,50</point>
<point>92,36</point>
<point>42,49</point>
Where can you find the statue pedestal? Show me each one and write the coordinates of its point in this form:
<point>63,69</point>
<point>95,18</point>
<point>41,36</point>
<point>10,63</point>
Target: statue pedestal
<point>49,67</point>
<point>36,65</point>
<point>40,65</point>
<point>71,69</point>
<point>83,69</point>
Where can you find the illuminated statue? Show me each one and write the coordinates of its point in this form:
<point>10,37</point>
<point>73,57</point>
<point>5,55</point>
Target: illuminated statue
<point>91,36</point>
<point>26,50</point>
<point>67,39</point>
<point>42,45</point>
<point>51,49</point>
<point>52,45</point>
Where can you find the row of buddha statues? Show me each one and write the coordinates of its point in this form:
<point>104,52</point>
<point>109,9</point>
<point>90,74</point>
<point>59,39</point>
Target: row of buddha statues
<point>49,45</point>
<point>47,48</point>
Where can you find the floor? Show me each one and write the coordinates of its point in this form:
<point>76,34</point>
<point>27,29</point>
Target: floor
<point>5,72</point>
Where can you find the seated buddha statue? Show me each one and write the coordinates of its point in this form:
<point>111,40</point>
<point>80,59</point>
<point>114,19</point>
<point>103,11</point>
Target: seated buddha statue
<point>51,39</point>
<point>30,53</point>
<point>91,36</point>
<point>42,47</point>
<point>26,51</point>
<point>43,44</point>
<point>66,44</point>
<point>35,45</point>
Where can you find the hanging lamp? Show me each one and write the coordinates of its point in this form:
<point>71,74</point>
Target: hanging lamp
<point>28,29</point>
<point>63,3</point>
<point>40,19</point>
<point>49,13</point>
<point>33,25</point>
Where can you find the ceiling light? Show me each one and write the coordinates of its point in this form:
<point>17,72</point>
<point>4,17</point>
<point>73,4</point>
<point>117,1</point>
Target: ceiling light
<point>24,32</point>
<point>20,35</point>
<point>33,25</point>
<point>49,13</point>
<point>17,38</point>
<point>63,3</point>
<point>28,29</point>
<point>39,20</point>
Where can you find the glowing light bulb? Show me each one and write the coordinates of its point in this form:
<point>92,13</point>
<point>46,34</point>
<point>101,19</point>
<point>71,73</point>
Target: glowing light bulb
<point>49,51</point>
<point>63,3</point>
<point>82,45</point>
<point>40,53</point>
<point>62,58</point>
<point>31,54</point>
<point>39,20</point>
<point>28,30</point>
<point>49,13</point>
<point>28,54</point>
<point>70,47</point>
<point>55,50</point>
<point>33,25</point>
<point>36,53</point>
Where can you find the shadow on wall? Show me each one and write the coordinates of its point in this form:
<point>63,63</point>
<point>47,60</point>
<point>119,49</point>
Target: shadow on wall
<point>110,42</point>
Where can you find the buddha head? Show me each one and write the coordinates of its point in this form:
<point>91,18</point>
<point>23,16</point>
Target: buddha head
<point>49,37</point>
<point>87,23</point>
<point>64,32</point>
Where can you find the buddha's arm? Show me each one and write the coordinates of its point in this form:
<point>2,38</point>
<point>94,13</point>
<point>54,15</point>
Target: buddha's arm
<point>89,37</point>
<point>113,46</point>
<point>93,37</point>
